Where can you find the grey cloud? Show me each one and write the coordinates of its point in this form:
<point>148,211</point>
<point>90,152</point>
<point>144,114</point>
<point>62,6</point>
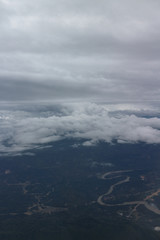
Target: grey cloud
<point>79,49</point>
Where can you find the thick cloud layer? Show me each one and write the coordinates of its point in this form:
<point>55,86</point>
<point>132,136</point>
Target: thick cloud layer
<point>67,49</point>
<point>28,127</point>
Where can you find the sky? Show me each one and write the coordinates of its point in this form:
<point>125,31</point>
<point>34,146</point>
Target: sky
<point>92,50</point>
<point>76,69</point>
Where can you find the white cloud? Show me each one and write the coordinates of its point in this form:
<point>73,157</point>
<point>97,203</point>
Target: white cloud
<point>34,126</point>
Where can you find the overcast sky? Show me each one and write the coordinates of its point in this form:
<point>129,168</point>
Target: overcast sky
<point>79,49</point>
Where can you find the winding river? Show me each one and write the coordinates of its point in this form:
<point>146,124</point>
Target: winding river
<point>152,207</point>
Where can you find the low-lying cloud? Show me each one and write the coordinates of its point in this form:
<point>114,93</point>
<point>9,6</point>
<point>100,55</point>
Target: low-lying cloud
<point>23,129</point>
